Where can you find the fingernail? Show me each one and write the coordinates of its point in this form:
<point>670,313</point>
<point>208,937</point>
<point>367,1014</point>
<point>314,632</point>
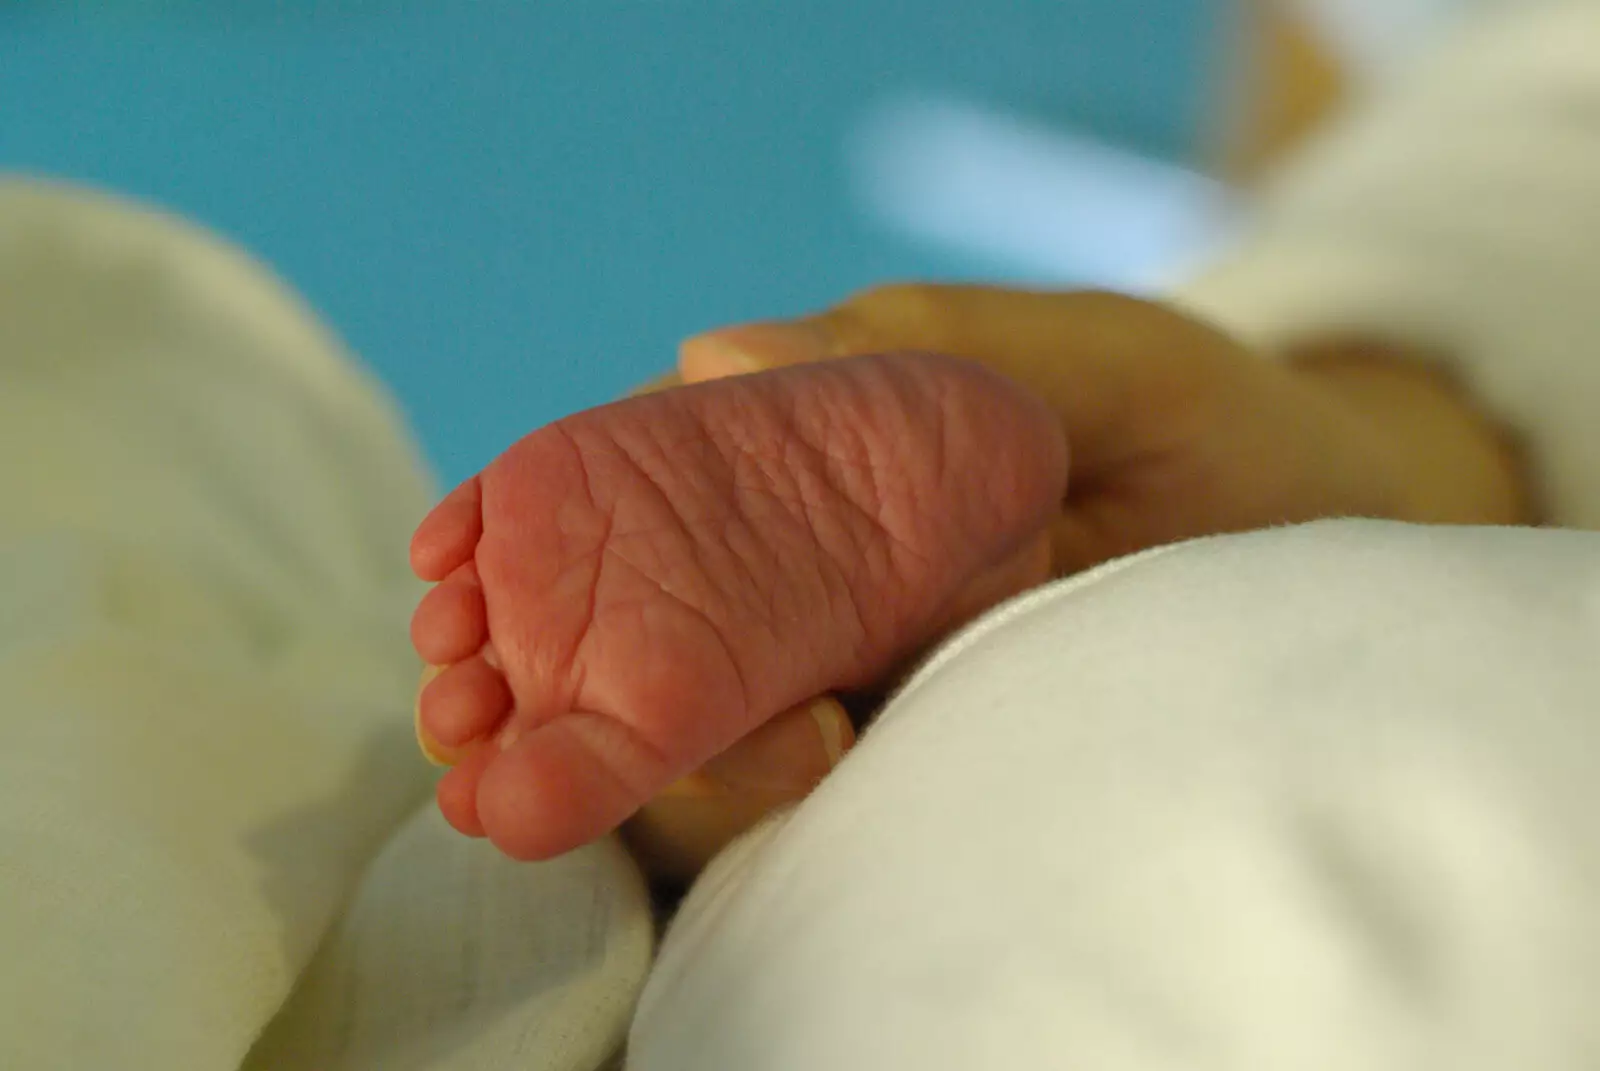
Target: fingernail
<point>695,786</point>
<point>834,723</point>
<point>430,748</point>
<point>657,385</point>
<point>757,347</point>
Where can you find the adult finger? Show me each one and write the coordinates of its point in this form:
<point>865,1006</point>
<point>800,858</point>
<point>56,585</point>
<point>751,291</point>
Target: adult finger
<point>1106,363</point>
<point>678,832</point>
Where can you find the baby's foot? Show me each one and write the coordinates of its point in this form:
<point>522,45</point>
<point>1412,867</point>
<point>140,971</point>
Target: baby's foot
<point>625,593</point>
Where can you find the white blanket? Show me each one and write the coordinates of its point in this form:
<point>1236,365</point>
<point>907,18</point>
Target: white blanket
<point>204,687</point>
<point>1315,798</point>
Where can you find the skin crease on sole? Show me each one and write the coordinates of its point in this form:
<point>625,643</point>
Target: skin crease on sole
<point>625,593</point>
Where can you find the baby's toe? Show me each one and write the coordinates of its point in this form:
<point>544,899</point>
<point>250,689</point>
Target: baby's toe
<point>563,784</point>
<point>448,535</point>
<point>457,791</point>
<point>451,623</point>
<point>464,703</point>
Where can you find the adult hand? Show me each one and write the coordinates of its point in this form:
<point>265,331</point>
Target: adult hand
<point>1174,431</point>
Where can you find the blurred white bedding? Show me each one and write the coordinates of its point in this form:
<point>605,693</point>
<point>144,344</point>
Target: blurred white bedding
<point>204,686</point>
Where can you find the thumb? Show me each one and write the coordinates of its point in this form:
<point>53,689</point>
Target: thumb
<point>787,755</point>
<point>676,834</point>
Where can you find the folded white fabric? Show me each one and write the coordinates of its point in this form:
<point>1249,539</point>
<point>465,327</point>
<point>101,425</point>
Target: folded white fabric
<point>1315,798</point>
<point>454,958</point>
<point>204,693</point>
<point>1458,208</point>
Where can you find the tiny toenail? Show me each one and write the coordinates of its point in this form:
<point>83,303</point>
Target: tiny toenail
<point>508,736</point>
<point>430,750</point>
<point>491,657</point>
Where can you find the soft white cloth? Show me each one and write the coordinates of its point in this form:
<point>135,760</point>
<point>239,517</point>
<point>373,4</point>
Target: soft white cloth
<point>1314,798</point>
<point>204,680</point>
<point>1375,39</point>
<point>1457,209</point>
<point>454,958</point>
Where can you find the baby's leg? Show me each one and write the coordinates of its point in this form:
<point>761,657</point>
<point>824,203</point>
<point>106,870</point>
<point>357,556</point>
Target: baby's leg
<point>627,592</point>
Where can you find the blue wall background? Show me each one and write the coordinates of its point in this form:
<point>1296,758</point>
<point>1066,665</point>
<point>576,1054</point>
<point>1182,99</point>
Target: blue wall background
<point>513,210</point>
